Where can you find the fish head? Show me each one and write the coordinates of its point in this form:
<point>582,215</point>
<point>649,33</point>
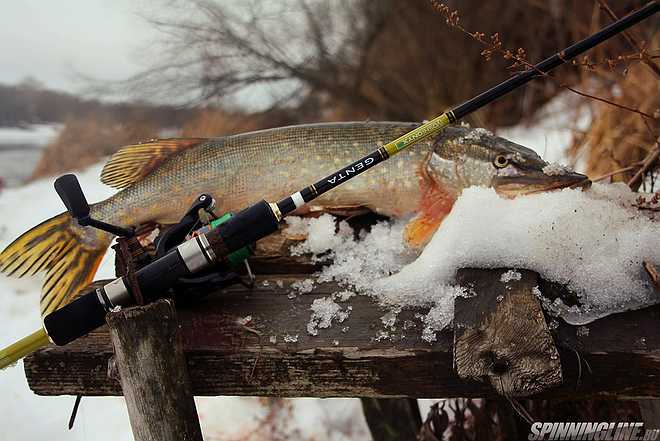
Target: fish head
<point>463,157</point>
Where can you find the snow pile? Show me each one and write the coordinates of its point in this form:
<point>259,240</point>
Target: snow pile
<point>594,242</point>
<point>375,255</point>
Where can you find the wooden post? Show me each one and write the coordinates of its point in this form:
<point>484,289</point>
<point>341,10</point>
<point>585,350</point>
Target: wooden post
<point>392,419</point>
<point>152,369</point>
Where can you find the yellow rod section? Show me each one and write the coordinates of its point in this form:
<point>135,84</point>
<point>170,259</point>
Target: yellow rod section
<point>14,352</point>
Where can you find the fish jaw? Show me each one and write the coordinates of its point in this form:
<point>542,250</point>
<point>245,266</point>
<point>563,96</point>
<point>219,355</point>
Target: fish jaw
<point>534,181</point>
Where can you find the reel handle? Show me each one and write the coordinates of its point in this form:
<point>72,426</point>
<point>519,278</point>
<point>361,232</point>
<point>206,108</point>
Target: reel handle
<point>68,188</point>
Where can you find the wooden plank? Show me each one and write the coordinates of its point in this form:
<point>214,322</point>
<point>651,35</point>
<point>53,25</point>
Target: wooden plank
<point>152,369</point>
<point>500,333</point>
<point>226,358</point>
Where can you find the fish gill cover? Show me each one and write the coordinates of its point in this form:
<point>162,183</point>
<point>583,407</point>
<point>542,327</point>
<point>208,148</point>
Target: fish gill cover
<point>594,242</point>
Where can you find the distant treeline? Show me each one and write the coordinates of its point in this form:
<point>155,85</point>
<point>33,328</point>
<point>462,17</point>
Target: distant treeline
<point>29,102</point>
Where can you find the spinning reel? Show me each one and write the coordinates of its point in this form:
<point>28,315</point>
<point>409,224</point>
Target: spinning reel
<point>132,255</point>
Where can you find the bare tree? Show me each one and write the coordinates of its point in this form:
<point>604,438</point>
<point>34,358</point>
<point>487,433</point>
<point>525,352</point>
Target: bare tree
<point>340,59</point>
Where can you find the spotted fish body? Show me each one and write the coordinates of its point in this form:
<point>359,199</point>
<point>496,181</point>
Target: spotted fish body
<point>270,164</point>
<point>160,179</point>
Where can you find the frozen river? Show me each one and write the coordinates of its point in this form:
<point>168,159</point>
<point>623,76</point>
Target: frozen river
<point>20,150</point>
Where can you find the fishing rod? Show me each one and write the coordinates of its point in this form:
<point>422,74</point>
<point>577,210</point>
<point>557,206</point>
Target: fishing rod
<point>228,238</point>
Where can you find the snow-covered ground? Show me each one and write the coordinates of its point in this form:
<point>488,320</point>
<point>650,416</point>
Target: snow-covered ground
<point>20,150</point>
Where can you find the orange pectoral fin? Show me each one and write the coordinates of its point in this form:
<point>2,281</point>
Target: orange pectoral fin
<point>435,204</point>
<point>419,230</point>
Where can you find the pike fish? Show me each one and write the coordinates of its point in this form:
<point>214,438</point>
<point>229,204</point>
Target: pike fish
<point>159,179</point>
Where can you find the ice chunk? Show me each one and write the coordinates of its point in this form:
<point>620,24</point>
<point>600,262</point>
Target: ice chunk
<point>343,296</point>
<point>303,286</point>
<point>324,311</point>
<point>510,275</point>
<point>244,320</point>
<point>475,135</point>
<point>290,338</point>
<point>556,169</point>
<point>389,319</point>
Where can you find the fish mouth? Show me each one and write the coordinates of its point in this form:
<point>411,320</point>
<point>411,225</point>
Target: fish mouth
<point>538,182</point>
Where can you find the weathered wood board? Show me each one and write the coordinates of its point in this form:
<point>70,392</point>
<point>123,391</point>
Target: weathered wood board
<point>227,358</point>
<point>501,335</point>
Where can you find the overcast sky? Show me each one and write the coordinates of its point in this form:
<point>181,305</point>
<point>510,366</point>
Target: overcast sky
<point>52,40</point>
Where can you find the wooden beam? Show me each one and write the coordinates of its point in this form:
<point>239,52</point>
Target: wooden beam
<point>152,370</point>
<point>347,360</point>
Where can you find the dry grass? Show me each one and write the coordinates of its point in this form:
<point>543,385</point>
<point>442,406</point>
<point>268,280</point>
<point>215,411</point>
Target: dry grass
<point>212,122</point>
<point>84,140</point>
<point>618,139</point>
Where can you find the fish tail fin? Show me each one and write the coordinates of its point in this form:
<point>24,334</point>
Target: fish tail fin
<point>68,253</point>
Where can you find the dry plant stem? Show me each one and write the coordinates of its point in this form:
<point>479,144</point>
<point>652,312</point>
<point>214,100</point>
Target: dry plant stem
<point>648,163</point>
<point>644,57</point>
<point>653,272</point>
<point>616,172</point>
<point>452,19</point>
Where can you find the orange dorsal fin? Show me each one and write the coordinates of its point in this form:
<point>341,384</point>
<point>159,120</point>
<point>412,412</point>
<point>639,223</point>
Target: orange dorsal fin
<point>435,204</point>
<point>134,162</point>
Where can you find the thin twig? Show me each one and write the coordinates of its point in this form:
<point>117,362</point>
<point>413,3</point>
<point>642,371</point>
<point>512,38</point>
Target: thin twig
<point>495,45</point>
<point>647,164</point>
<point>602,100</point>
<point>616,172</point>
<point>631,40</point>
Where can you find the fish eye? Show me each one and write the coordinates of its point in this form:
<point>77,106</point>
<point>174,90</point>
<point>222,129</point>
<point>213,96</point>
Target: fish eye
<point>501,161</point>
